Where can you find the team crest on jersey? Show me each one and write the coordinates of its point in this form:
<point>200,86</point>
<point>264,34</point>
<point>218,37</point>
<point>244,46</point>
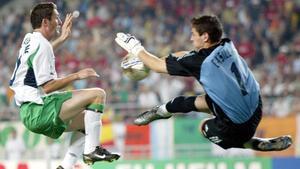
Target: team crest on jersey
<point>26,41</point>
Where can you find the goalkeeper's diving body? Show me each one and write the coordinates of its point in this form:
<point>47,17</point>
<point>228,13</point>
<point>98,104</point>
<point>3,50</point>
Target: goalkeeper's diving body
<point>232,95</point>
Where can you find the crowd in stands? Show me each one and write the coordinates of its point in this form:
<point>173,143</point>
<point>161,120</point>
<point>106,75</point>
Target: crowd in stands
<point>266,33</point>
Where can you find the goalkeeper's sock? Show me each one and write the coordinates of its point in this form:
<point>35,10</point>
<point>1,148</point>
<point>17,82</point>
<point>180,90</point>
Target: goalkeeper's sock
<point>181,104</point>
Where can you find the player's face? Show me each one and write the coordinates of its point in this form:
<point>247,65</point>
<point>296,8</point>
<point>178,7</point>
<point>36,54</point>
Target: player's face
<point>197,39</point>
<point>55,23</point>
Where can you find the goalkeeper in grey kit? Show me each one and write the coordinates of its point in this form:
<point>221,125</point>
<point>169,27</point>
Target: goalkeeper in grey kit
<point>232,95</point>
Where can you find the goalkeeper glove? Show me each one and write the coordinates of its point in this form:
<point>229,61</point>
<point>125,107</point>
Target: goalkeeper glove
<point>129,61</point>
<point>129,43</point>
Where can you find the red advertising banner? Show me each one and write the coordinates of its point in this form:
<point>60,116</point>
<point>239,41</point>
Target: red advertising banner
<point>274,127</point>
<point>137,141</point>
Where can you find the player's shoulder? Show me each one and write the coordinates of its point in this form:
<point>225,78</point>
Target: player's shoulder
<point>30,44</point>
<point>30,40</point>
<point>35,40</point>
<point>35,37</point>
<point>222,43</point>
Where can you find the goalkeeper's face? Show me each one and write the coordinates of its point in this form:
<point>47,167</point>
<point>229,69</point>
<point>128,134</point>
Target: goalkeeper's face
<point>199,40</point>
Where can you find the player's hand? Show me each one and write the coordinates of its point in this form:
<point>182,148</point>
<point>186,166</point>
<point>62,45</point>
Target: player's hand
<point>85,73</point>
<point>129,61</point>
<point>129,43</point>
<point>65,32</point>
<point>67,26</point>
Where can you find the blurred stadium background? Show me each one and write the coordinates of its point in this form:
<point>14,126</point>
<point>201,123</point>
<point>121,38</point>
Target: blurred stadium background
<point>266,33</point>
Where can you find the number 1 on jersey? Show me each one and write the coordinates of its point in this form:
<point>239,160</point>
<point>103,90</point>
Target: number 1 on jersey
<point>238,77</point>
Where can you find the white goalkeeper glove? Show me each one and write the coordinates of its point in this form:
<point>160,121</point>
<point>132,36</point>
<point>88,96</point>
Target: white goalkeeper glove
<point>129,61</point>
<point>129,43</point>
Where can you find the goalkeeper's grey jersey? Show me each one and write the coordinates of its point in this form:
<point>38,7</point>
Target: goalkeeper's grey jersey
<point>35,66</point>
<point>225,77</point>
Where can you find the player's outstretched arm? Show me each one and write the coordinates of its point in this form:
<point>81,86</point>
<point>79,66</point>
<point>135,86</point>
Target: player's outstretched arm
<point>65,32</point>
<point>133,45</point>
<point>60,83</point>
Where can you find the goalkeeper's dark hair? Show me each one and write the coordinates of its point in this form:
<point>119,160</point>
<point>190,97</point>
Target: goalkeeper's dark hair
<point>41,11</point>
<point>209,24</point>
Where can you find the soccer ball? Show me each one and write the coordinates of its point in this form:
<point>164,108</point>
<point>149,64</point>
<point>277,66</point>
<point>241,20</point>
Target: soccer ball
<point>134,68</point>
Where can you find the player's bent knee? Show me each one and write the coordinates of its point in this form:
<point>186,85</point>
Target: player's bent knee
<point>201,128</point>
<point>100,93</point>
<point>98,102</point>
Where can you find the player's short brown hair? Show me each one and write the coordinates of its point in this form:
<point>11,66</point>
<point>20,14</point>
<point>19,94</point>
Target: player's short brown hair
<point>41,11</point>
<point>209,24</point>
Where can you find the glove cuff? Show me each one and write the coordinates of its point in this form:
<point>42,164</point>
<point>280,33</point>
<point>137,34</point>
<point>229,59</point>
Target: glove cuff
<point>136,50</point>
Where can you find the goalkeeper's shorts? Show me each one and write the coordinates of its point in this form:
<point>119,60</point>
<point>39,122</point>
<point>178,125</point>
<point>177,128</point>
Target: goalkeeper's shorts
<point>223,132</point>
<point>44,118</point>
